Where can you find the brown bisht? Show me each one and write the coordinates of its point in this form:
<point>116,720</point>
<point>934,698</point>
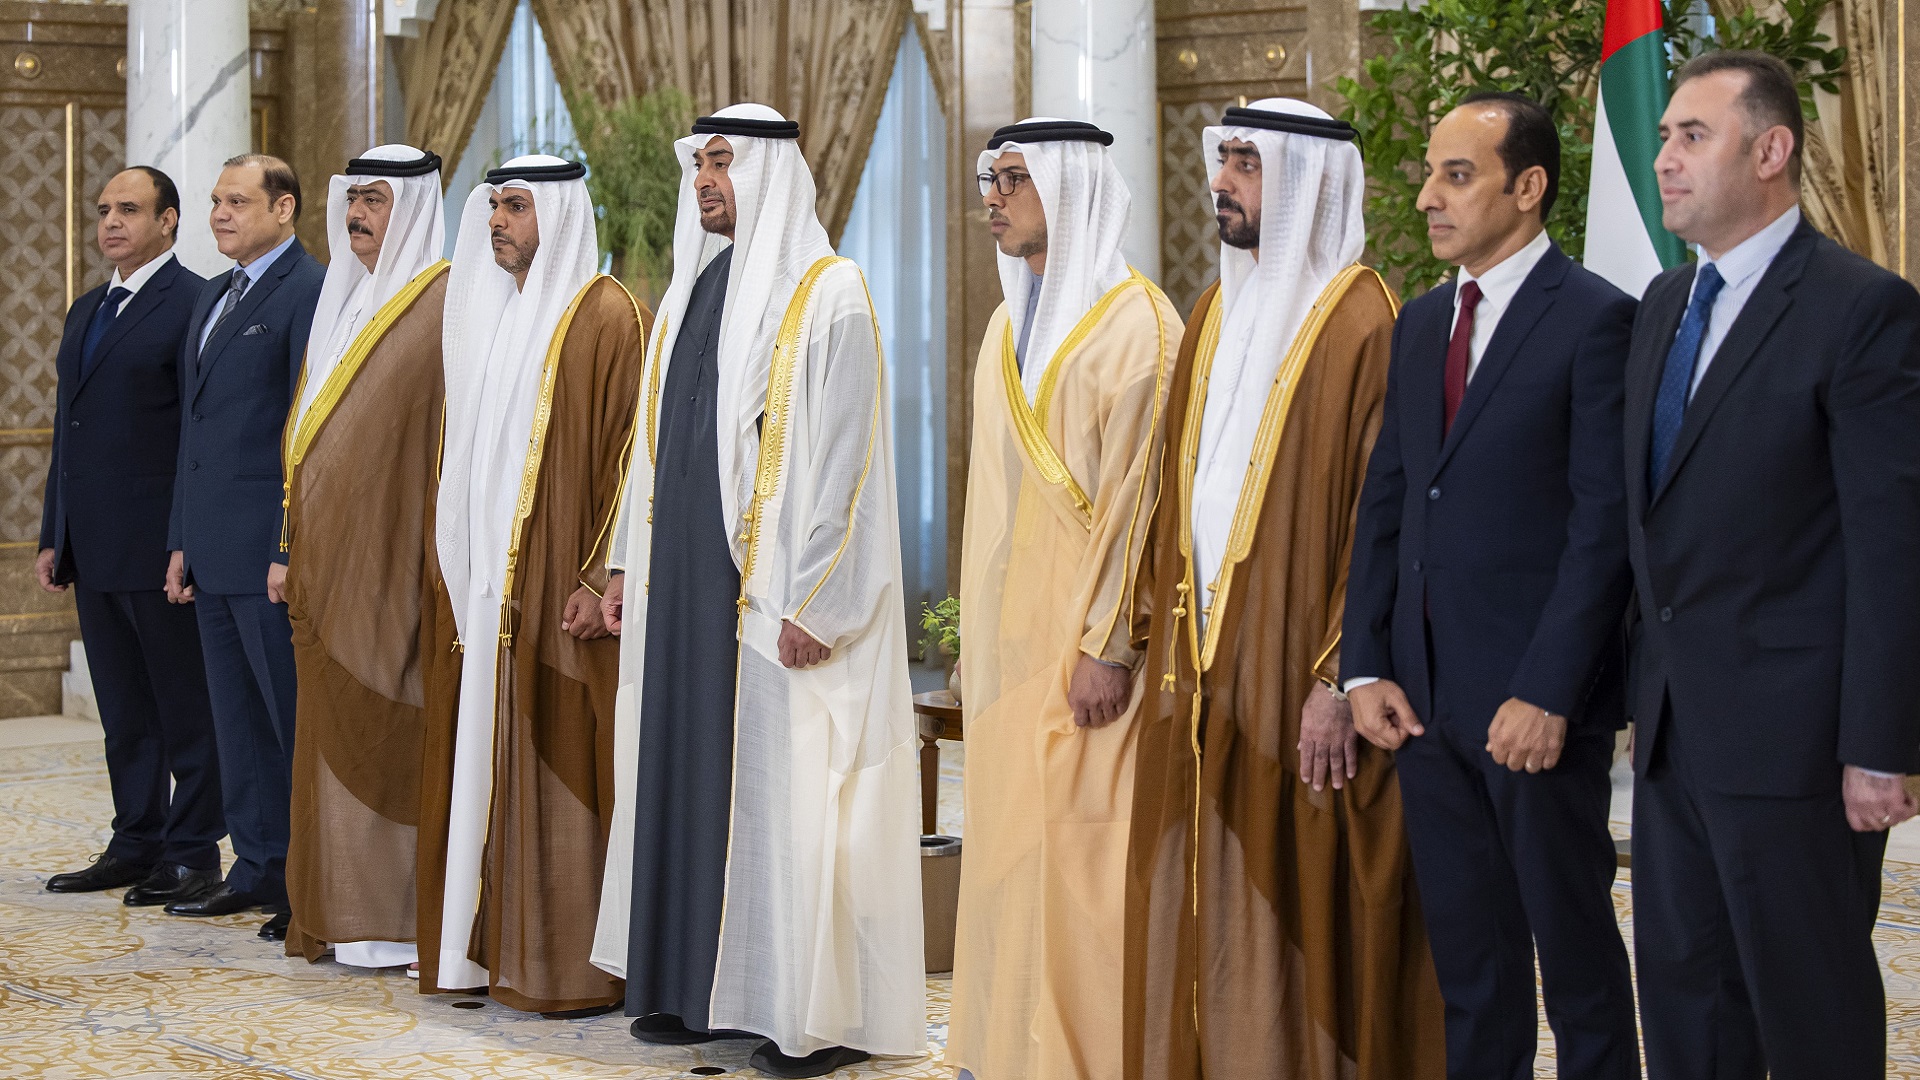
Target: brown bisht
<point>1272,930</point>
<point>360,467</point>
<point>552,793</point>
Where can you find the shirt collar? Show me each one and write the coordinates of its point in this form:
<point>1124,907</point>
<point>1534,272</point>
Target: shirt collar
<point>141,276</point>
<point>1505,277</point>
<point>1754,254</point>
<point>261,265</point>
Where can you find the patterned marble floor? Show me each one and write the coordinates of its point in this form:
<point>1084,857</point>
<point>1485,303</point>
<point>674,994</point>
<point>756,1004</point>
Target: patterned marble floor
<point>89,988</point>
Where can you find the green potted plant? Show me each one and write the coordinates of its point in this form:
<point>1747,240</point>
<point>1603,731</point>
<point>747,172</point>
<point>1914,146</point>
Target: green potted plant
<point>634,179</point>
<point>940,624</point>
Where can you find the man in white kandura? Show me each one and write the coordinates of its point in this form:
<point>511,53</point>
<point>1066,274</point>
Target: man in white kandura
<point>762,878</point>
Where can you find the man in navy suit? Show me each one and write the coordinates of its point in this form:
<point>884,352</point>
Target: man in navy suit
<point>1773,480</point>
<point>104,532</point>
<point>1486,602</point>
<point>240,367</point>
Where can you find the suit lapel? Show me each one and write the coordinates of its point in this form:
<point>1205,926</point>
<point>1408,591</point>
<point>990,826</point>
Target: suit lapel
<point>1426,383</point>
<point>1645,363</point>
<point>1758,316</point>
<point>1531,302</point>
<point>143,304</point>
<point>242,316</point>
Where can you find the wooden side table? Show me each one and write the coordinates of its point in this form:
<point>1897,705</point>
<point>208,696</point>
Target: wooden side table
<point>939,717</point>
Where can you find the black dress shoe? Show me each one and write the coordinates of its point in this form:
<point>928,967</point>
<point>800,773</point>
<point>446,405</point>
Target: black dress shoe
<point>768,1059</point>
<point>222,900</point>
<point>106,872</point>
<point>276,927</point>
<point>171,882</point>
<point>665,1029</point>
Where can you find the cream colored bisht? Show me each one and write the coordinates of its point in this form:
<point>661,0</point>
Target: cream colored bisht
<point>820,940</point>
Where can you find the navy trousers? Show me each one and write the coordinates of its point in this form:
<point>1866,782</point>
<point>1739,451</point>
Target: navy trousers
<point>148,678</point>
<point>1753,930</point>
<point>248,644</point>
<point>1510,864</point>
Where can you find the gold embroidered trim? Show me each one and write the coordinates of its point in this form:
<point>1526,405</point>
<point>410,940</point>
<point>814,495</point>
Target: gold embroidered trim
<point>773,434</point>
<point>626,466</point>
<point>301,430</point>
<point>873,430</point>
<point>1155,298</point>
<point>653,388</point>
<point>536,451</point>
<point>1266,443</point>
<point>1030,422</point>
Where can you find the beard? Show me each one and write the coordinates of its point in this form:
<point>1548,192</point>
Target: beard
<point>511,257</point>
<point>1245,234</point>
<point>719,220</point>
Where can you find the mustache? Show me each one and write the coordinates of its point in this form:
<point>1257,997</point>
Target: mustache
<point>358,229</point>
<point>994,215</point>
<point>1222,204</point>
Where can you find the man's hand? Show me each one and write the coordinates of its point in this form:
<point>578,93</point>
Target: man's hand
<point>612,602</point>
<point>277,582</point>
<point>582,617</point>
<point>798,649</point>
<point>1383,715</point>
<point>1875,803</point>
<point>43,569</point>
<point>178,591</point>
<point>1099,692</point>
<point>1328,746</point>
<point>1524,736</point>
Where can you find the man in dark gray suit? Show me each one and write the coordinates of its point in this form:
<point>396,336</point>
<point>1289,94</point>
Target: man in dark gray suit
<point>240,367</point>
<point>104,533</point>
<point>1773,501</point>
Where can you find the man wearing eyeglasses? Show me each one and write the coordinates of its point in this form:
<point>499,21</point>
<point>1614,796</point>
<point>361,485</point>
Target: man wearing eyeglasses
<point>1068,397</point>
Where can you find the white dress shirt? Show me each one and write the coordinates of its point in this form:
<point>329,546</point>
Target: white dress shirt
<point>138,278</point>
<point>1741,268</point>
<point>254,270</point>
<point>1498,286</point>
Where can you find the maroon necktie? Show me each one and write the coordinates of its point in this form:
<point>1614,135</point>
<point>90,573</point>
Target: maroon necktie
<point>1457,349</point>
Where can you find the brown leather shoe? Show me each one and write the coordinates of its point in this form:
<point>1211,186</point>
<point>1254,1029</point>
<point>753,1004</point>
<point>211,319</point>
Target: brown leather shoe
<point>106,872</point>
<point>171,882</point>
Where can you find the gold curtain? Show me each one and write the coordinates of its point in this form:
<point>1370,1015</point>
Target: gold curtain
<point>823,63</point>
<point>1849,171</point>
<point>446,72</point>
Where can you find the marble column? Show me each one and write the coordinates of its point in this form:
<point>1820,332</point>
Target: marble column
<point>1095,60</point>
<point>189,104</point>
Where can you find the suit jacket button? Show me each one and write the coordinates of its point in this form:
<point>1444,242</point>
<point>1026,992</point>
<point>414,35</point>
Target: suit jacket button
<point>1666,614</point>
<point>1433,493</point>
<point>193,465</point>
<point>1416,566</point>
<point>73,423</point>
<point>196,418</point>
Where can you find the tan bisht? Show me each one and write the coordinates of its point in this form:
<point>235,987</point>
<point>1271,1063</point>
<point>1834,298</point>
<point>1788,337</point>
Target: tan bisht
<point>1059,493</point>
<point>361,450</point>
<point>1272,930</point>
<point>517,787</point>
<point>360,497</point>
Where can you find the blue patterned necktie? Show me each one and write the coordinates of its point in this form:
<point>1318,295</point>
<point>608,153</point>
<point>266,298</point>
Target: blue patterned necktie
<point>103,317</point>
<point>237,283</point>
<point>1676,382</point>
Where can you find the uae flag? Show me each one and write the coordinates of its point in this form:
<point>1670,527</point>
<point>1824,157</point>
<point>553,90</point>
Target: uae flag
<point>1626,244</point>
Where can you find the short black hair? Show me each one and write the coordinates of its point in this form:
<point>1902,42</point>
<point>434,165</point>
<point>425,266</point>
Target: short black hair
<point>276,176</point>
<point>168,196</point>
<point>1772,98</point>
<point>1532,138</point>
